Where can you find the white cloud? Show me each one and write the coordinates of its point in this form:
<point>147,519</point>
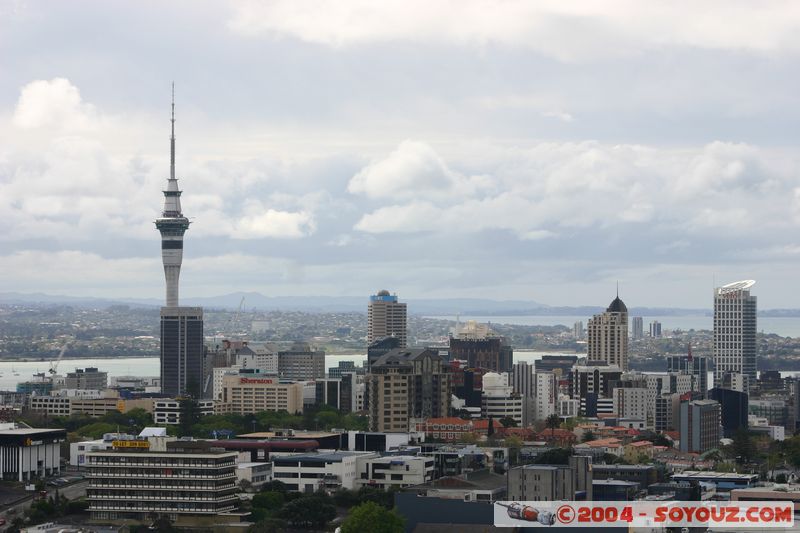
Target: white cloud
<point>52,103</point>
<point>547,188</point>
<point>414,169</point>
<point>567,29</point>
<point>272,223</point>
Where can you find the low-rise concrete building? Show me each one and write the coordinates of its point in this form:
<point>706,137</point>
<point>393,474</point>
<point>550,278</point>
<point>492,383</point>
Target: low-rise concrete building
<point>552,482</point>
<point>310,472</point>
<point>396,471</point>
<point>168,411</point>
<point>253,474</point>
<point>29,453</point>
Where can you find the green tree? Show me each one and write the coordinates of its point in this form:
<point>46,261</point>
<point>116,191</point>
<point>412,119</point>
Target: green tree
<point>374,518</point>
<point>587,436</point>
<point>268,525</point>
<point>556,456</point>
<point>508,422</point>
<point>274,485</point>
<point>308,512</point>
<point>270,500</point>
<point>744,449</point>
<point>553,421</point>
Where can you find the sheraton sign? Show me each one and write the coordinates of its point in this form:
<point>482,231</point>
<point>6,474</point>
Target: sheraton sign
<point>255,381</point>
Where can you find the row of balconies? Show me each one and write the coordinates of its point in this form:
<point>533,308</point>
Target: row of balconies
<point>139,497</point>
<point>102,475</point>
<point>96,485</point>
<point>101,506</point>
<point>93,462</point>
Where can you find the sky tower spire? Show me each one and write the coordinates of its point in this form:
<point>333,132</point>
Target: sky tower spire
<point>172,224</point>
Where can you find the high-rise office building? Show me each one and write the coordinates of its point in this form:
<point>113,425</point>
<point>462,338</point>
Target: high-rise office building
<point>523,383</point>
<point>695,365</point>
<point>734,348</point>
<point>608,335</point>
<point>386,317</point>
<point>655,329</point>
<point>577,330</point>
<point>301,363</point>
<point>182,365</point>
<point>482,348</point>
<point>182,348</point>
<point>699,425</point>
<point>637,327</point>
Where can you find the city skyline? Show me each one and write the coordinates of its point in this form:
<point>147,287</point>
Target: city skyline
<point>331,159</point>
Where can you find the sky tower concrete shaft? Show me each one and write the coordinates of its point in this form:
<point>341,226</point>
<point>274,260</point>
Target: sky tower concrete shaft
<point>172,224</point>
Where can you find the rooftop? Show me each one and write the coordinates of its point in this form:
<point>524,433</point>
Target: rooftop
<point>478,480</point>
<point>28,431</point>
<point>330,457</point>
<point>715,475</point>
<point>285,435</point>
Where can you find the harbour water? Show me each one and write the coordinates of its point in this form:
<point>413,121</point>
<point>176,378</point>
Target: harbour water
<point>13,372</point>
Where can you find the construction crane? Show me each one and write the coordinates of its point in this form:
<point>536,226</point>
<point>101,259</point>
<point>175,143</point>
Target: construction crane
<point>234,321</point>
<point>54,364</point>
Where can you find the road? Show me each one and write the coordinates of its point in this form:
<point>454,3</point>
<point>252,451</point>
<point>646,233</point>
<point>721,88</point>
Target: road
<point>73,491</point>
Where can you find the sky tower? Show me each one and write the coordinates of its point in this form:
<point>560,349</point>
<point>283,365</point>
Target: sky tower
<point>172,224</point>
<point>182,352</point>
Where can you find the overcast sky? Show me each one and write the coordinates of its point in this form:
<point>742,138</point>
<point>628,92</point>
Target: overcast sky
<point>437,148</point>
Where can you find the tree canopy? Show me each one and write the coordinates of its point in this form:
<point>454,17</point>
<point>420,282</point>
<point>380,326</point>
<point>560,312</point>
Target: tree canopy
<point>374,518</point>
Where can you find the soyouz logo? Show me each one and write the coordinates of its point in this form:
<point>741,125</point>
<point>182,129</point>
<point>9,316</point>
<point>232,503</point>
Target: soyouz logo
<point>758,514</point>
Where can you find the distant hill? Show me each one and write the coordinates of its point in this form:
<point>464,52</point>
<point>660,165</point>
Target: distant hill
<point>333,304</point>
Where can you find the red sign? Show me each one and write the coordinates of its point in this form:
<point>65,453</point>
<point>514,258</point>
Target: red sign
<point>252,381</point>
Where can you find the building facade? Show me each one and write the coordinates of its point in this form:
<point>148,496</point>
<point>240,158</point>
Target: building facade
<point>86,379</point>
<point>492,353</point>
<point>182,351</point>
<point>301,363</point>
<point>694,365</point>
<point>699,425</point>
<point>387,317</point>
<point>404,385</point>
<point>189,479</point>
<point>734,341</point>
<point>244,395</point>
<point>552,482</point>
<point>608,336</point>
<point>312,472</point>
<point>637,328</point>
<point>28,453</point>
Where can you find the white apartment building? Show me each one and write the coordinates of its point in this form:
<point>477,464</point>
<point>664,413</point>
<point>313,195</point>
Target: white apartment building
<point>734,341</point>
<point>396,471</point>
<point>499,399</point>
<point>568,407</point>
<point>545,401</point>
<point>310,472</point>
<point>168,411</point>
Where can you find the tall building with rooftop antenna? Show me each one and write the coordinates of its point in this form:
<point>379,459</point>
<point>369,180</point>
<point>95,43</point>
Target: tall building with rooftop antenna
<point>172,224</point>
<point>734,350</point>
<point>182,360</point>
<point>607,336</point>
